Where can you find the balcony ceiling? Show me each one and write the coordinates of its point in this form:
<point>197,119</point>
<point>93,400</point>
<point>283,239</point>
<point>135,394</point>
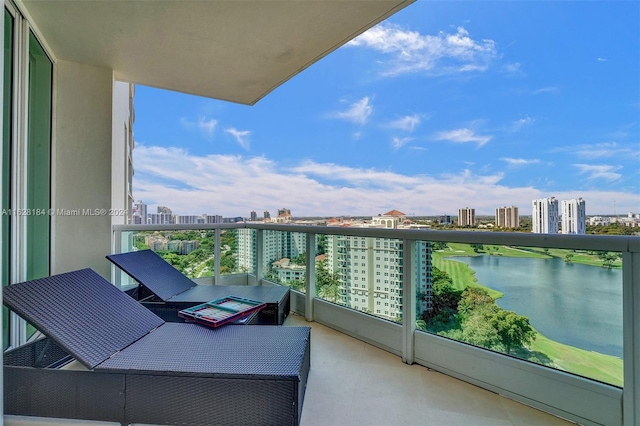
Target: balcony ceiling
<point>237,51</point>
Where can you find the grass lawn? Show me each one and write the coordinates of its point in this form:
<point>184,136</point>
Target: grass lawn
<point>579,256</point>
<point>605,368</point>
<point>462,275</point>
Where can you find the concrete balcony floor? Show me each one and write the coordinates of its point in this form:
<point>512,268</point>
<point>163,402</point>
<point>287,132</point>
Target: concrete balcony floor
<point>354,383</point>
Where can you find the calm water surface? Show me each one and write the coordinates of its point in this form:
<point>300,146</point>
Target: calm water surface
<point>574,304</point>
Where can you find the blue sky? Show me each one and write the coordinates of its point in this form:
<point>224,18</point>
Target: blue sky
<point>442,106</point>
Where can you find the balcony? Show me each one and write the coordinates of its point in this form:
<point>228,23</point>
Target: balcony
<point>355,383</point>
<point>404,347</point>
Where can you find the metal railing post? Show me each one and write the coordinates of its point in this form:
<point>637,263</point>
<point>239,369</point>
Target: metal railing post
<point>310,276</point>
<point>631,333</point>
<point>259,255</point>
<point>409,301</point>
<point>216,256</point>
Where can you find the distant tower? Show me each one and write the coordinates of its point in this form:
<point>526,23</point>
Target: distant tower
<point>267,215</point>
<point>574,217</point>
<point>545,216</point>
<point>253,216</point>
<point>507,217</point>
<point>466,217</point>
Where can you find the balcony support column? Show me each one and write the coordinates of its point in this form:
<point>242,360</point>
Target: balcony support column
<point>631,333</point>
<point>310,276</point>
<point>259,255</point>
<point>409,302</point>
<point>216,256</point>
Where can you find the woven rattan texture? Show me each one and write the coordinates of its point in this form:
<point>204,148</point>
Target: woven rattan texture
<point>205,293</point>
<point>210,401</point>
<point>258,351</point>
<point>153,272</point>
<point>84,313</point>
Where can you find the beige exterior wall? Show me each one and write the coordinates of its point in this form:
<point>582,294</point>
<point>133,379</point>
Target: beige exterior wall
<point>81,173</point>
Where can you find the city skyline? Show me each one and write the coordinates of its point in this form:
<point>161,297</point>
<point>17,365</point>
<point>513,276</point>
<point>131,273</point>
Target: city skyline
<point>444,105</point>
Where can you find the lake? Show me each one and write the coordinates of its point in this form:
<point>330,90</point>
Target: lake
<point>574,304</point>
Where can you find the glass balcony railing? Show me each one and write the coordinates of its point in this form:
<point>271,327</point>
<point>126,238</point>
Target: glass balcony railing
<point>553,302</point>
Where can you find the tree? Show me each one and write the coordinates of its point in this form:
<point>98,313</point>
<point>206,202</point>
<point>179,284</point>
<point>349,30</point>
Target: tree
<point>471,299</point>
<point>477,247</point>
<point>514,330</point>
<point>439,245</point>
<point>568,257</point>
<point>327,282</point>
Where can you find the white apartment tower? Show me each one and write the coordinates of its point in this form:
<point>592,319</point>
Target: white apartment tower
<point>507,217</point>
<point>275,246</point>
<point>466,217</point>
<point>371,270</point>
<point>545,216</point>
<point>574,218</point>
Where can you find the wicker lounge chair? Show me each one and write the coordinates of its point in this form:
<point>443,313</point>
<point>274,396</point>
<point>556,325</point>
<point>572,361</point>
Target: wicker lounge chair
<point>136,368</point>
<point>165,290</point>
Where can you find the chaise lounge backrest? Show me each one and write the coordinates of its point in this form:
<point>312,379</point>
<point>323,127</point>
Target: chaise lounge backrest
<point>153,272</point>
<point>83,313</point>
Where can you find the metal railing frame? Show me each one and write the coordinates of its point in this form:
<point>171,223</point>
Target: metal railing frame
<point>629,246</point>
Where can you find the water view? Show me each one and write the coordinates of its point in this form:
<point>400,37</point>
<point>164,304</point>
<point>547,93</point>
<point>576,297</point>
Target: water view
<point>574,304</point>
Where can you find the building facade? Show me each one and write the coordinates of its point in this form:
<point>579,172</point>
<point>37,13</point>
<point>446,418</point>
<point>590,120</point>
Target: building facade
<point>544,218</point>
<point>371,270</point>
<point>574,217</point>
<point>507,217</point>
<point>466,217</point>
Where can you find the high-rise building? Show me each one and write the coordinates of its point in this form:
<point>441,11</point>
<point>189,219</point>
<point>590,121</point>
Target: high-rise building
<point>160,219</point>
<point>574,217</point>
<point>371,270</point>
<point>139,213</point>
<point>507,217</point>
<point>466,217</point>
<point>253,217</point>
<point>164,210</point>
<point>189,220</point>
<point>544,217</point>
<point>275,246</point>
<point>444,219</point>
<point>266,215</point>
<point>212,218</point>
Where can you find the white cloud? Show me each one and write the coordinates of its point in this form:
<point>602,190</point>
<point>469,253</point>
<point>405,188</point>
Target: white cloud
<point>599,172</point>
<point>407,123</point>
<point>602,60</point>
<point>463,135</point>
<point>241,136</point>
<point>207,127</point>
<point>519,161</point>
<point>550,89</point>
<point>358,112</point>
<point>601,150</point>
<point>439,54</point>
<point>234,185</point>
<point>400,142</point>
<point>519,124</point>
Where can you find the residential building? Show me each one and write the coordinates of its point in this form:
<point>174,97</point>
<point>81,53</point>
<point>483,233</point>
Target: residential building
<point>466,217</point>
<point>139,213</point>
<point>545,216</point>
<point>371,270</point>
<point>574,217</point>
<point>444,219</point>
<point>275,246</point>
<point>188,219</point>
<point>159,219</point>
<point>212,218</point>
<point>507,217</point>
<point>266,215</point>
<point>253,217</point>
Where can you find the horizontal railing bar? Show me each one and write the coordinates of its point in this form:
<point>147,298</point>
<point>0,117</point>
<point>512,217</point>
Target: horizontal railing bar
<point>615,243</point>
